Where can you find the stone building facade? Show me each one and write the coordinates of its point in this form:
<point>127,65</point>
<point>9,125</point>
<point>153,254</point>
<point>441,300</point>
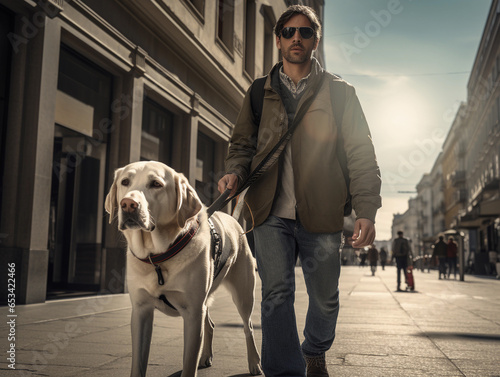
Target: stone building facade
<point>88,86</point>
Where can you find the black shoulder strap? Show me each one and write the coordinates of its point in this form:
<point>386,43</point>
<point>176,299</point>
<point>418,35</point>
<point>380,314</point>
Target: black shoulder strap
<point>257,98</point>
<point>338,98</point>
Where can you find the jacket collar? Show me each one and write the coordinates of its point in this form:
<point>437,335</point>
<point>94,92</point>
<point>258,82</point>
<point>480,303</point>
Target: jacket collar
<point>315,75</point>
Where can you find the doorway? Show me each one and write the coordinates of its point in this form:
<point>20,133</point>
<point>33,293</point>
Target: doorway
<point>83,101</point>
<point>75,230</point>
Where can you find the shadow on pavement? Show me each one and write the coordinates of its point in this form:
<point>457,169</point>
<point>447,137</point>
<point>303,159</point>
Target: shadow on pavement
<point>487,337</point>
<point>178,374</point>
<point>237,325</point>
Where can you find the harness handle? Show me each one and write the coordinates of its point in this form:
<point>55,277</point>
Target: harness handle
<point>218,204</point>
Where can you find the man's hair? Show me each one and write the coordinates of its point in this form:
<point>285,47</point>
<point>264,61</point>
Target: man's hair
<point>294,10</point>
<point>400,232</point>
<point>441,238</point>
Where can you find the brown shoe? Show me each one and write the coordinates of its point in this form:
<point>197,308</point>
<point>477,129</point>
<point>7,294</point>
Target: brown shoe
<point>316,366</point>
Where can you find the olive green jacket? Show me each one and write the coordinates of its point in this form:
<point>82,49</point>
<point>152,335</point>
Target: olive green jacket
<point>319,184</point>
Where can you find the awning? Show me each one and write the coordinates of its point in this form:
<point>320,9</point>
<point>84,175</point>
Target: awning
<point>490,208</point>
<point>470,221</point>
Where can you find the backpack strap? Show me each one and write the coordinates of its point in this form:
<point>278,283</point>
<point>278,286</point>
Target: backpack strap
<point>257,98</point>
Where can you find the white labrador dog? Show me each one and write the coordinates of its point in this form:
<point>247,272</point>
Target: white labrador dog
<point>156,206</point>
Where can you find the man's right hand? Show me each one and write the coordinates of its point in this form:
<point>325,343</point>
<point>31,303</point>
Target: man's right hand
<point>230,182</point>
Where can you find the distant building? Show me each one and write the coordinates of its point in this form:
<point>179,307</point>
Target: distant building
<point>467,197</point>
<point>438,207</point>
<point>481,214</point>
<point>425,236</point>
<point>408,223</point>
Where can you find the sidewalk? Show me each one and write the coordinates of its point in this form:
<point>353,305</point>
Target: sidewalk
<point>445,328</point>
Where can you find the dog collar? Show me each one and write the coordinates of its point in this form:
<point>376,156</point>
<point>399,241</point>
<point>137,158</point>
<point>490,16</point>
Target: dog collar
<point>179,244</point>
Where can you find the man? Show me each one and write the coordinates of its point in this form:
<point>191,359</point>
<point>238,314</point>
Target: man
<point>451,256</point>
<point>373,258</point>
<point>440,253</point>
<point>400,251</point>
<point>383,257</point>
<point>297,205</point>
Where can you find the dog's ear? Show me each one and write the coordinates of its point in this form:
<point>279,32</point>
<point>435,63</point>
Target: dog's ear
<point>188,202</point>
<point>111,204</point>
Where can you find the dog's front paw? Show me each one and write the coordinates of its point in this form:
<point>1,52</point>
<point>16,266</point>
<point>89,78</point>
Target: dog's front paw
<point>206,361</point>
<point>255,370</point>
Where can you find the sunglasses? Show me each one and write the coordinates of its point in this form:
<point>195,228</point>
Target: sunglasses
<point>305,32</point>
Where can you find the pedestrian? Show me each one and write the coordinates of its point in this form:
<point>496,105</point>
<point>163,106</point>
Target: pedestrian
<point>401,251</point>
<point>298,204</point>
<point>491,267</point>
<point>451,256</point>
<point>362,256</point>
<point>427,263</point>
<point>440,253</point>
<point>383,257</point>
<point>373,258</point>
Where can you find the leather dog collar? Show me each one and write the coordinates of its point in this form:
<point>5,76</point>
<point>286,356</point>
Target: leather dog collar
<point>179,244</point>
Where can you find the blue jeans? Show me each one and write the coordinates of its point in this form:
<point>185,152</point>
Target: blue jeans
<point>278,242</point>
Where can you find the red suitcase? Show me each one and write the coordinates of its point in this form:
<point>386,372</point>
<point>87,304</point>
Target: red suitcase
<point>410,281</point>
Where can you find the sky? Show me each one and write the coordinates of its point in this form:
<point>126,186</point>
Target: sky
<point>410,62</point>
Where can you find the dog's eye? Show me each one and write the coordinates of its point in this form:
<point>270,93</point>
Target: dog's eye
<point>156,184</point>
<point>125,182</point>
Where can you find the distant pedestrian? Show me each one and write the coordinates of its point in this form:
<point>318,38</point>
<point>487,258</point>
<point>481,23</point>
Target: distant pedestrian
<point>362,256</point>
<point>440,253</point>
<point>427,262</point>
<point>383,257</point>
<point>373,258</point>
<point>400,251</point>
<point>491,267</point>
<point>451,256</point>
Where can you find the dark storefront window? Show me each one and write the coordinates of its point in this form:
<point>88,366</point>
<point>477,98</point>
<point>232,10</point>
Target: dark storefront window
<point>157,133</point>
<point>205,169</point>
<point>83,113</point>
<point>85,88</point>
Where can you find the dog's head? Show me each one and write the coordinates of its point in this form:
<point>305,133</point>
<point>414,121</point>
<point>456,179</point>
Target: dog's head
<point>146,195</point>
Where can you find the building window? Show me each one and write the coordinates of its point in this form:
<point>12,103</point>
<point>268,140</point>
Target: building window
<point>82,117</point>
<point>250,13</point>
<point>226,23</point>
<point>268,43</point>
<point>83,95</point>
<point>198,7</point>
<point>205,168</point>
<point>157,133</point>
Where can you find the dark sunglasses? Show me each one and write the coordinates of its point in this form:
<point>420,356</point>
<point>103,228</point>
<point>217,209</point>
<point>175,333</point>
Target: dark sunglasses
<point>305,32</point>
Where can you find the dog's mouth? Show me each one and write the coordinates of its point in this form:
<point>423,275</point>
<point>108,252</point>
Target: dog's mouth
<point>133,222</point>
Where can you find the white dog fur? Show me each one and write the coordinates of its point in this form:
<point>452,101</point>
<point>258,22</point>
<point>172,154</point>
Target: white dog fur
<point>154,205</point>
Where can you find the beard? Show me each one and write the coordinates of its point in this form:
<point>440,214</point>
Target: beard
<point>296,57</point>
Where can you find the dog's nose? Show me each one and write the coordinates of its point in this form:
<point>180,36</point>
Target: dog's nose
<point>128,205</point>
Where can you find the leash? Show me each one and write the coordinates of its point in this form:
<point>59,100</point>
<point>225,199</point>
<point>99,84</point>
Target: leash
<point>268,161</point>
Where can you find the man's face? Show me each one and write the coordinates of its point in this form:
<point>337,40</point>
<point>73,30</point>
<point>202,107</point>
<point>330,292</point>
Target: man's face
<point>297,50</point>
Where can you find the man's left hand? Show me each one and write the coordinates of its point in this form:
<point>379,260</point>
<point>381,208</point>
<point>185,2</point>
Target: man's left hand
<point>364,233</point>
